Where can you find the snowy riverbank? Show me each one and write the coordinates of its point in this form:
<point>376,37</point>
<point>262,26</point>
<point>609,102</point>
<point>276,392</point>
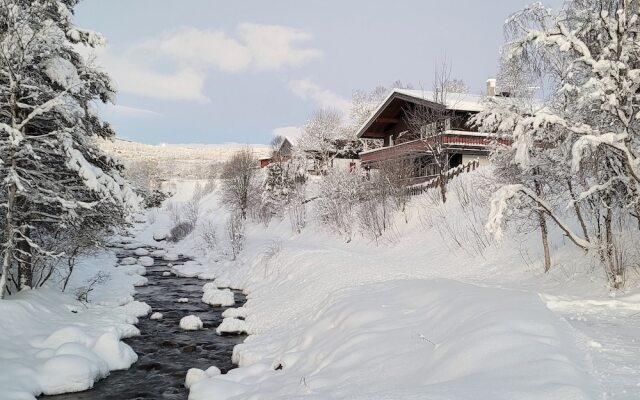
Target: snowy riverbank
<point>334,319</point>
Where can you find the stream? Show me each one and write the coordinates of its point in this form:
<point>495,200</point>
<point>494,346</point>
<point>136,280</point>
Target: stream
<point>165,351</point>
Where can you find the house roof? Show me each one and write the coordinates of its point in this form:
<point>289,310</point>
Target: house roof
<point>455,101</point>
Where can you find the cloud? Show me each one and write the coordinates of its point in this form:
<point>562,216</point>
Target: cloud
<point>132,112</point>
<point>325,98</point>
<point>261,47</point>
<point>175,66</point>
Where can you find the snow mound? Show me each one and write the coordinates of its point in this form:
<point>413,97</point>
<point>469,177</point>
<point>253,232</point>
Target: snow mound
<point>219,298</point>
<point>136,309</point>
<point>239,312</point>
<point>161,235</point>
<point>156,316</point>
<point>117,354</point>
<point>166,273</point>
<point>146,261</point>
<point>183,300</point>
<point>448,339</point>
<point>170,256</point>
<point>232,326</point>
<point>141,252</point>
<point>140,281</point>
<point>68,373</point>
<point>128,261</point>
<point>223,283</point>
<point>195,375</point>
<point>191,323</point>
<point>158,253</point>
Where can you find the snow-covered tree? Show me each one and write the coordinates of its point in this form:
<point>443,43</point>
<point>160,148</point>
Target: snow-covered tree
<point>240,186</point>
<point>587,59</point>
<point>52,174</point>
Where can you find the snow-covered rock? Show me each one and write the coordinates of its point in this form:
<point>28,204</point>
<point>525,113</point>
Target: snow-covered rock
<point>239,312</point>
<point>128,261</point>
<point>158,253</point>
<point>146,261</point>
<point>160,235</point>
<point>156,316</point>
<point>232,326</point>
<point>117,354</point>
<point>166,273</point>
<point>141,251</point>
<point>191,323</point>
<point>194,375</point>
<point>183,300</point>
<point>170,256</point>
<point>219,298</point>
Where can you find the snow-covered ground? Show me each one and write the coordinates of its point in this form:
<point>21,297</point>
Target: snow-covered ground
<point>51,343</point>
<point>414,315</point>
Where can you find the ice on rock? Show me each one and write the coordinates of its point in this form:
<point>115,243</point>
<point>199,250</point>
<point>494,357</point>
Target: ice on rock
<point>146,261</point>
<point>128,261</point>
<point>191,323</point>
<point>156,316</point>
<point>232,326</point>
<point>141,252</point>
<point>160,235</point>
<point>216,297</point>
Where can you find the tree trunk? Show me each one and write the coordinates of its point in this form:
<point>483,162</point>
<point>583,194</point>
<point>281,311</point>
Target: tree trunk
<point>25,268</point>
<point>7,257</point>
<point>576,207</point>
<point>544,230</point>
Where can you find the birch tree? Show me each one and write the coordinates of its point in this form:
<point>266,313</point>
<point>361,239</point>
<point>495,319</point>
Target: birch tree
<point>587,56</point>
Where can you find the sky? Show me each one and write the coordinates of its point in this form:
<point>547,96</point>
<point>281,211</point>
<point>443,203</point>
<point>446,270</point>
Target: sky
<point>209,71</point>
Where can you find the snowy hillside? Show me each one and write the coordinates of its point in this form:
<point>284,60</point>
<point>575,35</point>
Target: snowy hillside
<point>329,319</point>
<point>179,160</point>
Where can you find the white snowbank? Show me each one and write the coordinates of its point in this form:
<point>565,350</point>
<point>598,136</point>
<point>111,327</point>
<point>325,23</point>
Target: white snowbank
<point>232,326</point>
<point>191,323</point>
<point>444,338</point>
<point>219,298</point>
<point>51,344</point>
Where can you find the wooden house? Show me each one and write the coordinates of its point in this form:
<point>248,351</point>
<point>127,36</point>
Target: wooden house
<point>393,126</point>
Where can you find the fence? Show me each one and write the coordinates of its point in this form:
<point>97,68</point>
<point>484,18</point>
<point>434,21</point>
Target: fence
<point>420,188</point>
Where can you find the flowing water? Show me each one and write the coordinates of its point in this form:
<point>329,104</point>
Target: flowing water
<point>165,351</point>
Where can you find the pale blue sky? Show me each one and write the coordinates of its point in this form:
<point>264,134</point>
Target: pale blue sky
<point>204,71</point>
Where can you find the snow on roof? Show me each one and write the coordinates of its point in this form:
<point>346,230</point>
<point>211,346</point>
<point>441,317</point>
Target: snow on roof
<point>455,101</point>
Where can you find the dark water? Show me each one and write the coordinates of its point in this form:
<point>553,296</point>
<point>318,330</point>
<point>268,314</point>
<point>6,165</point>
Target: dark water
<point>166,352</point>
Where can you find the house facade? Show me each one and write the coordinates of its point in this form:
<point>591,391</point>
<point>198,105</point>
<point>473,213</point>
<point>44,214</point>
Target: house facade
<point>429,135</point>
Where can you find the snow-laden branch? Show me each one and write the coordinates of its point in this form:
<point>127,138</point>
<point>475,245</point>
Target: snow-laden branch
<point>500,205</point>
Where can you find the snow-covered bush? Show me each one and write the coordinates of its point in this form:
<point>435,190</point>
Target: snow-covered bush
<point>339,193</point>
<point>181,231</point>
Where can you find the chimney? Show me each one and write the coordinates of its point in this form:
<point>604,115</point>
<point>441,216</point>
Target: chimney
<point>491,87</point>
